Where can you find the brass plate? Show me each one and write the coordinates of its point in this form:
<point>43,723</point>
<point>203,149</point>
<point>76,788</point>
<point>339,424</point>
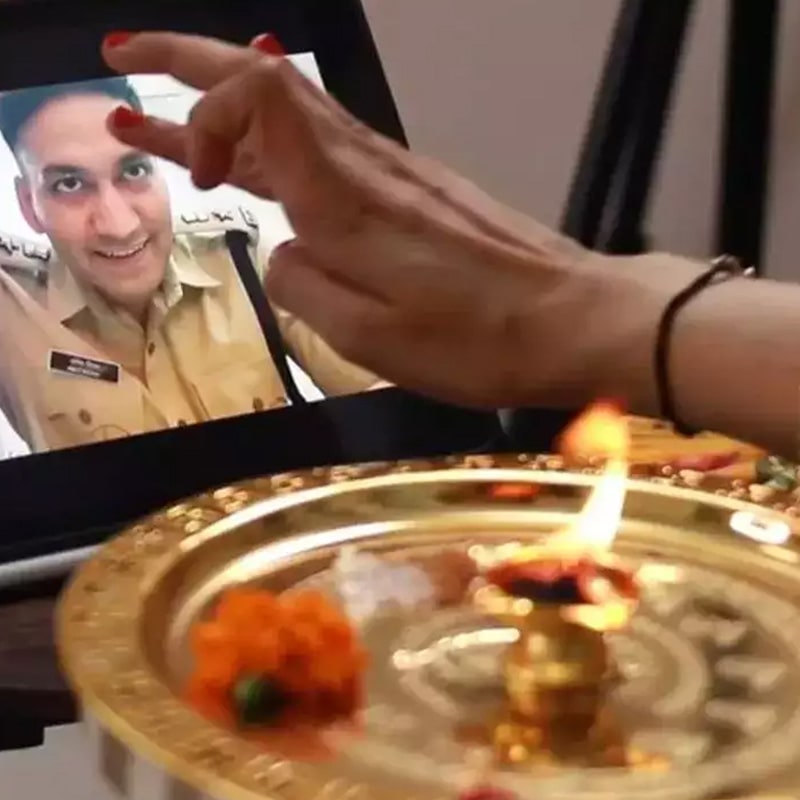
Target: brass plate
<point>711,663</point>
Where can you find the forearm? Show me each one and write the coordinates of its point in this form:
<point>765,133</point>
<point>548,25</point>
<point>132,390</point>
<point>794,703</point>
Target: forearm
<point>735,358</point>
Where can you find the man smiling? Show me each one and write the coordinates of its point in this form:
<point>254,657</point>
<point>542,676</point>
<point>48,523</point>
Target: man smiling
<point>137,326</point>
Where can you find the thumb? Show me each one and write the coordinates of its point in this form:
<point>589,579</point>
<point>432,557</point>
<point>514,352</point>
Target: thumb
<point>152,135</point>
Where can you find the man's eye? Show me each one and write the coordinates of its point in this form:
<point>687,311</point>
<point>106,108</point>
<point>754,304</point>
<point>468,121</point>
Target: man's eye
<point>68,185</point>
<point>136,172</point>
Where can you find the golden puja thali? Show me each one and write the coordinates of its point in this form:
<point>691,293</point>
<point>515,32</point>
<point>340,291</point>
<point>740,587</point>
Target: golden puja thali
<point>532,627</point>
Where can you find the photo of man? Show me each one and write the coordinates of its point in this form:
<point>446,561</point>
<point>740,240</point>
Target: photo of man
<point>129,323</point>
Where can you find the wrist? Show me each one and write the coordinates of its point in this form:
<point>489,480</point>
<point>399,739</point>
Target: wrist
<point>627,322</point>
<point>735,365</point>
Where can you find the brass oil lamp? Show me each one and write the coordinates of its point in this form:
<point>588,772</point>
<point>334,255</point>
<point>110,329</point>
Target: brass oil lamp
<point>563,597</point>
<point>558,672</point>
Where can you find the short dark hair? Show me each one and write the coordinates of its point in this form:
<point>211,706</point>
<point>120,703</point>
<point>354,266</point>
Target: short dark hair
<point>19,105</point>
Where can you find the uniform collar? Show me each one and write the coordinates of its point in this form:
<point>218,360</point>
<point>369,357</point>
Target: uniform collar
<point>67,297</point>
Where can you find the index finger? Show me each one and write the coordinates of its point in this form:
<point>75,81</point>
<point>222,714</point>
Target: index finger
<point>197,61</point>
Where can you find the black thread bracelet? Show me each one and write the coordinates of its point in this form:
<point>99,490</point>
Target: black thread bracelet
<point>722,268</point>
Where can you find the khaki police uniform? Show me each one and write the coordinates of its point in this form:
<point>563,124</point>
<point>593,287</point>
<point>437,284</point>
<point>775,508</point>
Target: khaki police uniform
<point>75,371</point>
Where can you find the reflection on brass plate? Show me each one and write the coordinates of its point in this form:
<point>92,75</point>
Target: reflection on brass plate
<point>704,699</point>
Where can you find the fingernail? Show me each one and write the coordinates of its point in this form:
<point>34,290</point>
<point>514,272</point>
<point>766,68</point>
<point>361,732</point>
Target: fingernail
<point>117,38</point>
<point>124,117</point>
<point>268,44</point>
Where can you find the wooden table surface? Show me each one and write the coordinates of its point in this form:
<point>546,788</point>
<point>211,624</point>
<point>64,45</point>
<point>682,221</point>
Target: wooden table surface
<point>33,695</point>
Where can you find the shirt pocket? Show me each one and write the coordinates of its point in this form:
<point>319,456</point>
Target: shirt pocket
<point>231,390</point>
<point>74,411</point>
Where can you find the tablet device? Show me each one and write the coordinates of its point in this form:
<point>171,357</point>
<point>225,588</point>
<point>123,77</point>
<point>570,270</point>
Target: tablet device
<point>139,361</point>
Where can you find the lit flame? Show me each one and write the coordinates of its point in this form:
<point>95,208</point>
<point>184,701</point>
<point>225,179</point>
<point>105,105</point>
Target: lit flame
<point>601,431</point>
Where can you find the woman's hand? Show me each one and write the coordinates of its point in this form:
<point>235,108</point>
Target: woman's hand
<point>401,265</point>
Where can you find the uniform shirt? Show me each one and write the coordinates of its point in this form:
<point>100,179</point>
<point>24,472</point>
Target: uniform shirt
<point>201,357</point>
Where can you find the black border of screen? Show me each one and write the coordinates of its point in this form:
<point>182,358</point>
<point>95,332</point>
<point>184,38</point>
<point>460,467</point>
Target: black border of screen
<point>74,497</point>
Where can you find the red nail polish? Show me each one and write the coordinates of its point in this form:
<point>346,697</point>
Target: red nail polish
<point>117,38</point>
<point>124,117</point>
<point>268,44</point>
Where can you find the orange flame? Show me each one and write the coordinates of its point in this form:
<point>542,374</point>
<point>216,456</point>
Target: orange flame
<point>601,431</point>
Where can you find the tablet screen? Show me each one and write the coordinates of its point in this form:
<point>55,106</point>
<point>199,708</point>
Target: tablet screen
<point>132,353</point>
<point>121,309</point>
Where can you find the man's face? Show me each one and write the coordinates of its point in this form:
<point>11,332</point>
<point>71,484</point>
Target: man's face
<point>102,205</point>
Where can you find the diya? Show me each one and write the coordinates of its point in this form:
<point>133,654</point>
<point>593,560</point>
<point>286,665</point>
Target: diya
<point>583,635</point>
<point>559,671</point>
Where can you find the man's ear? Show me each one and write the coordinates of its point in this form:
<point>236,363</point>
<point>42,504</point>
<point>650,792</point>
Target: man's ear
<point>25,200</point>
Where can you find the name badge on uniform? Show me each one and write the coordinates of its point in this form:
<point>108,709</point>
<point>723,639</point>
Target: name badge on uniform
<point>83,366</point>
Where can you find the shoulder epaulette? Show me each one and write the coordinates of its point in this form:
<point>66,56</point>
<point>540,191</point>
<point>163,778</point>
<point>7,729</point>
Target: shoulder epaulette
<point>24,256</point>
<point>219,221</point>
